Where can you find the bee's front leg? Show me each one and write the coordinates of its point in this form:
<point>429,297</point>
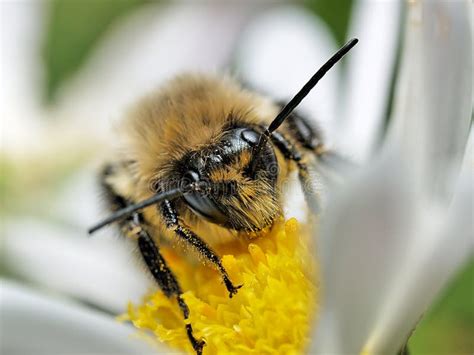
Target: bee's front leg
<point>162,274</point>
<point>170,217</point>
<point>133,228</point>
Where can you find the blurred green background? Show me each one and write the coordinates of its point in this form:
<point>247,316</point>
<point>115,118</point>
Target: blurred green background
<point>74,27</point>
<point>72,32</point>
<point>448,328</point>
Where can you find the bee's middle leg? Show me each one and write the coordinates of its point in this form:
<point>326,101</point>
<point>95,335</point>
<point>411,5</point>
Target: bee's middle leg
<point>290,152</point>
<point>170,217</point>
<point>161,272</point>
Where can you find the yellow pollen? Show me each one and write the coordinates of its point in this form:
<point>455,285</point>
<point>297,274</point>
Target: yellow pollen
<point>272,312</point>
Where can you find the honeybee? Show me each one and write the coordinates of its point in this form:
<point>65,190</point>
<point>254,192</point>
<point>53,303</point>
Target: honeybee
<point>203,159</point>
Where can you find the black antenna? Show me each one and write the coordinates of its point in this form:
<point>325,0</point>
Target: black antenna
<point>296,100</point>
<point>167,195</point>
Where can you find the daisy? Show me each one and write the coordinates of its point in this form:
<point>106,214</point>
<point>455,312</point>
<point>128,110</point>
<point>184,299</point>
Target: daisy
<point>392,234</point>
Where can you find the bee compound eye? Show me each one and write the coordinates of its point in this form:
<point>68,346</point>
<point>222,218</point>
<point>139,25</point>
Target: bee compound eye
<point>250,136</point>
<point>191,176</point>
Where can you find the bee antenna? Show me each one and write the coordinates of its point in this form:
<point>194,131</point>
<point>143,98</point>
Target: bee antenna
<point>296,100</point>
<point>167,195</point>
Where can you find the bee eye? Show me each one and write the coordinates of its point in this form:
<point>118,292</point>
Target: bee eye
<point>191,176</point>
<point>202,203</point>
<point>250,136</point>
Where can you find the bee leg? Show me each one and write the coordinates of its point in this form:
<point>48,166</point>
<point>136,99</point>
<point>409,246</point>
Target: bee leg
<point>311,138</point>
<point>306,134</point>
<point>161,272</point>
<point>290,152</point>
<point>132,227</point>
<point>170,216</point>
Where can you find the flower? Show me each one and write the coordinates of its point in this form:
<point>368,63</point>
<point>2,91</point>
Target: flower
<point>272,312</point>
<point>392,235</point>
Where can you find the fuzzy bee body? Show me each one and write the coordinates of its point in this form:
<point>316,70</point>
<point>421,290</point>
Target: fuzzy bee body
<point>203,163</point>
<point>202,128</point>
<point>206,125</point>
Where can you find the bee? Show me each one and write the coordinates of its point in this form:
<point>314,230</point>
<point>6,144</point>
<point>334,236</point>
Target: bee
<point>203,159</point>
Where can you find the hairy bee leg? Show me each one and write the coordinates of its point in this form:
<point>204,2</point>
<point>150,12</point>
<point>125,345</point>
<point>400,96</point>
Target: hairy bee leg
<point>132,227</point>
<point>306,134</point>
<point>291,153</point>
<point>170,216</point>
<point>311,138</point>
<point>161,272</point>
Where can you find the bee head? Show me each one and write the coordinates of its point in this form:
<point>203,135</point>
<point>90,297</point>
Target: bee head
<point>234,199</point>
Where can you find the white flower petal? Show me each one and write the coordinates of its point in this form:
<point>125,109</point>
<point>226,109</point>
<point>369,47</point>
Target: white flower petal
<point>35,324</point>
<point>80,203</point>
<point>371,65</point>
<point>391,251</point>
<point>365,234</point>
<point>99,270</point>
<point>448,72</point>
<point>433,109</point>
<point>281,50</point>
<point>438,251</point>
<point>19,106</point>
<point>467,169</point>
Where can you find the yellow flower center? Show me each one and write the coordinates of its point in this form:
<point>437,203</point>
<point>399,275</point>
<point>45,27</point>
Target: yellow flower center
<point>272,312</point>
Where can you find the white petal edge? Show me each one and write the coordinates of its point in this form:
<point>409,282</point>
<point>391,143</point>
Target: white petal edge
<point>438,252</point>
<point>448,72</point>
<point>433,125</point>
<point>100,270</point>
<point>345,317</point>
<point>19,108</point>
<point>385,257</point>
<point>33,323</point>
<point>365,233</point>
<point>280,50</point>
<point>370,69</point>
<point>433,109</point>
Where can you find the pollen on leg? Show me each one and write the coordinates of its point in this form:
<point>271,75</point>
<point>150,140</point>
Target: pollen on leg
<point>272,312</point>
